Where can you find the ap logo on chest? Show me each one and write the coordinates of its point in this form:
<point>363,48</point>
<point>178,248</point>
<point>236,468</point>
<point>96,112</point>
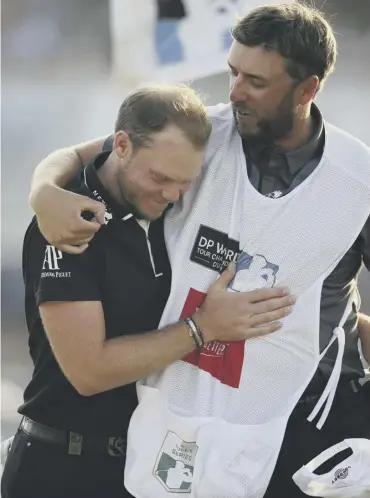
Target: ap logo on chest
<point>253,272</point>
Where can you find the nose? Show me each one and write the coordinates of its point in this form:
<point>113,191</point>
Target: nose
<point>237,90</point>
<point>171,195</point>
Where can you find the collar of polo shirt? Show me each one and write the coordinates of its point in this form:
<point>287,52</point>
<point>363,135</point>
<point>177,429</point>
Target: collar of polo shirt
<point>93,183</point>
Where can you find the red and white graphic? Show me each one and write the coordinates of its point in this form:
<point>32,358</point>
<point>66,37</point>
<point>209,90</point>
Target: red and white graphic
<point>222,360</point>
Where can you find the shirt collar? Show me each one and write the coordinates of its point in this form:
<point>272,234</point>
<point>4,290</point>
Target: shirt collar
<point>100,193</point>
<point>296,158</point>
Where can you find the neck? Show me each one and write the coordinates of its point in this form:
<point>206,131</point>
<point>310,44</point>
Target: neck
<point>107,174</point>
<point>301,133</point>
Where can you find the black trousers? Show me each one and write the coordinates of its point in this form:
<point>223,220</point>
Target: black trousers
<point>349,418</point>
<point>35,469</point>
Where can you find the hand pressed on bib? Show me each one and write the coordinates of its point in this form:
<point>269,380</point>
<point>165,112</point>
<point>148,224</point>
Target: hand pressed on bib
<point>227,316</point>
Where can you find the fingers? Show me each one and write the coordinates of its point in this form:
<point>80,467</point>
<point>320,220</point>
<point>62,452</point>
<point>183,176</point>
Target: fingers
<point>272,316</point>
<point>95,207</point>
<point>79,236</point>
<point>263,330</point>
<point>99,216</point>
<point>73,249</point>
<point>62,223</point>
<point>272,304</point>
<point>226,276</point>
<point>78,242</point>
<point>265,294</point>
<point>86,228</point>
<point>70,243</point>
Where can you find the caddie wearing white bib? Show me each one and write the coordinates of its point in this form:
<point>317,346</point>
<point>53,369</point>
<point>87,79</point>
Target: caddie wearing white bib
<point>228,425</point>
<point>223,411</point>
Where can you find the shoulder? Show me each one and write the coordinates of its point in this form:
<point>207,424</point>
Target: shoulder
<point>348,151</point>
<point>33,241</point>
<point>108,144</point>
<point>221,117</point>
<point>343,139</point>
<point>223,129</point>
<point>52,275</point>
<point>38,253</point>
<point>77,184</point>
<point>220,112</point>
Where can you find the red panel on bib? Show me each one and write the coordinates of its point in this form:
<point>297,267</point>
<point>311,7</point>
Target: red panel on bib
<point>222,360</point>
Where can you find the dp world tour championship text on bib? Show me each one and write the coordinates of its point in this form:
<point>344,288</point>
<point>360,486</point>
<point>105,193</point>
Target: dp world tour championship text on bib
<point>212,424</point>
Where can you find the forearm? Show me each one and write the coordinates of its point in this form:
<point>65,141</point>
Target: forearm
<point>126,359</point>
<point>77,334</point>
<point>56,169</point>
<point>59,166</point>
<point>364,332</point>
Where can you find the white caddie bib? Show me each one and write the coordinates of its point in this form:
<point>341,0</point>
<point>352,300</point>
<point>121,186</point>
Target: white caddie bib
<point>348,479</point>
<point>211,425</point>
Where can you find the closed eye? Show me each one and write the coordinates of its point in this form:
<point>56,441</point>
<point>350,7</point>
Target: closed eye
<point>255,80</point>
<point>257,83</point>
<point>160,179</point>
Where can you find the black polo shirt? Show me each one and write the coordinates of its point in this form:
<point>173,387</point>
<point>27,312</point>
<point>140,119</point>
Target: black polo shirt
<point>117,270</point>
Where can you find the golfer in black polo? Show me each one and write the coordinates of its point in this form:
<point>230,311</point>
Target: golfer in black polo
<point>92,318</point>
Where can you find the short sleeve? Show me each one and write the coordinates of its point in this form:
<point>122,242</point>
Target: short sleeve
<point>108,144</point>
<point>53,275</point>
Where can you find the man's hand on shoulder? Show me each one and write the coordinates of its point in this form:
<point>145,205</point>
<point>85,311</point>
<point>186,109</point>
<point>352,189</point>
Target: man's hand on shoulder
<point>59,212</point>
<point>59,216</point>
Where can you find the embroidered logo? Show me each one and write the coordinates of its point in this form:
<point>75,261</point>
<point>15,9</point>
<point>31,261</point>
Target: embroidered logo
<point>340,474</point>
<point>52,257</point>
<point>174,466</point>
<point>253,272</point>
<point>51,264</point>
<point>274,195</point>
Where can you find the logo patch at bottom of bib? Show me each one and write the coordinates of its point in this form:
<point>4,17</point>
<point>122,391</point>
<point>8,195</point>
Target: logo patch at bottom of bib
<point>174,466</point>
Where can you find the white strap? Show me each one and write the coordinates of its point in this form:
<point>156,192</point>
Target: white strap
<point>327,396</point>
<point>332,384</point>
<point>326,455</point>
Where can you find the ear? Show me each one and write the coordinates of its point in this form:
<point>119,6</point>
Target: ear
<point>122,145</point>
<point>307,90</point>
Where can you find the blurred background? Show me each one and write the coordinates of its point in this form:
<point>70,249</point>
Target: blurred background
<point>66,67</point>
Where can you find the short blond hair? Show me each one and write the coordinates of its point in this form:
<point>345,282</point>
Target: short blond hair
<point>152,108</point>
